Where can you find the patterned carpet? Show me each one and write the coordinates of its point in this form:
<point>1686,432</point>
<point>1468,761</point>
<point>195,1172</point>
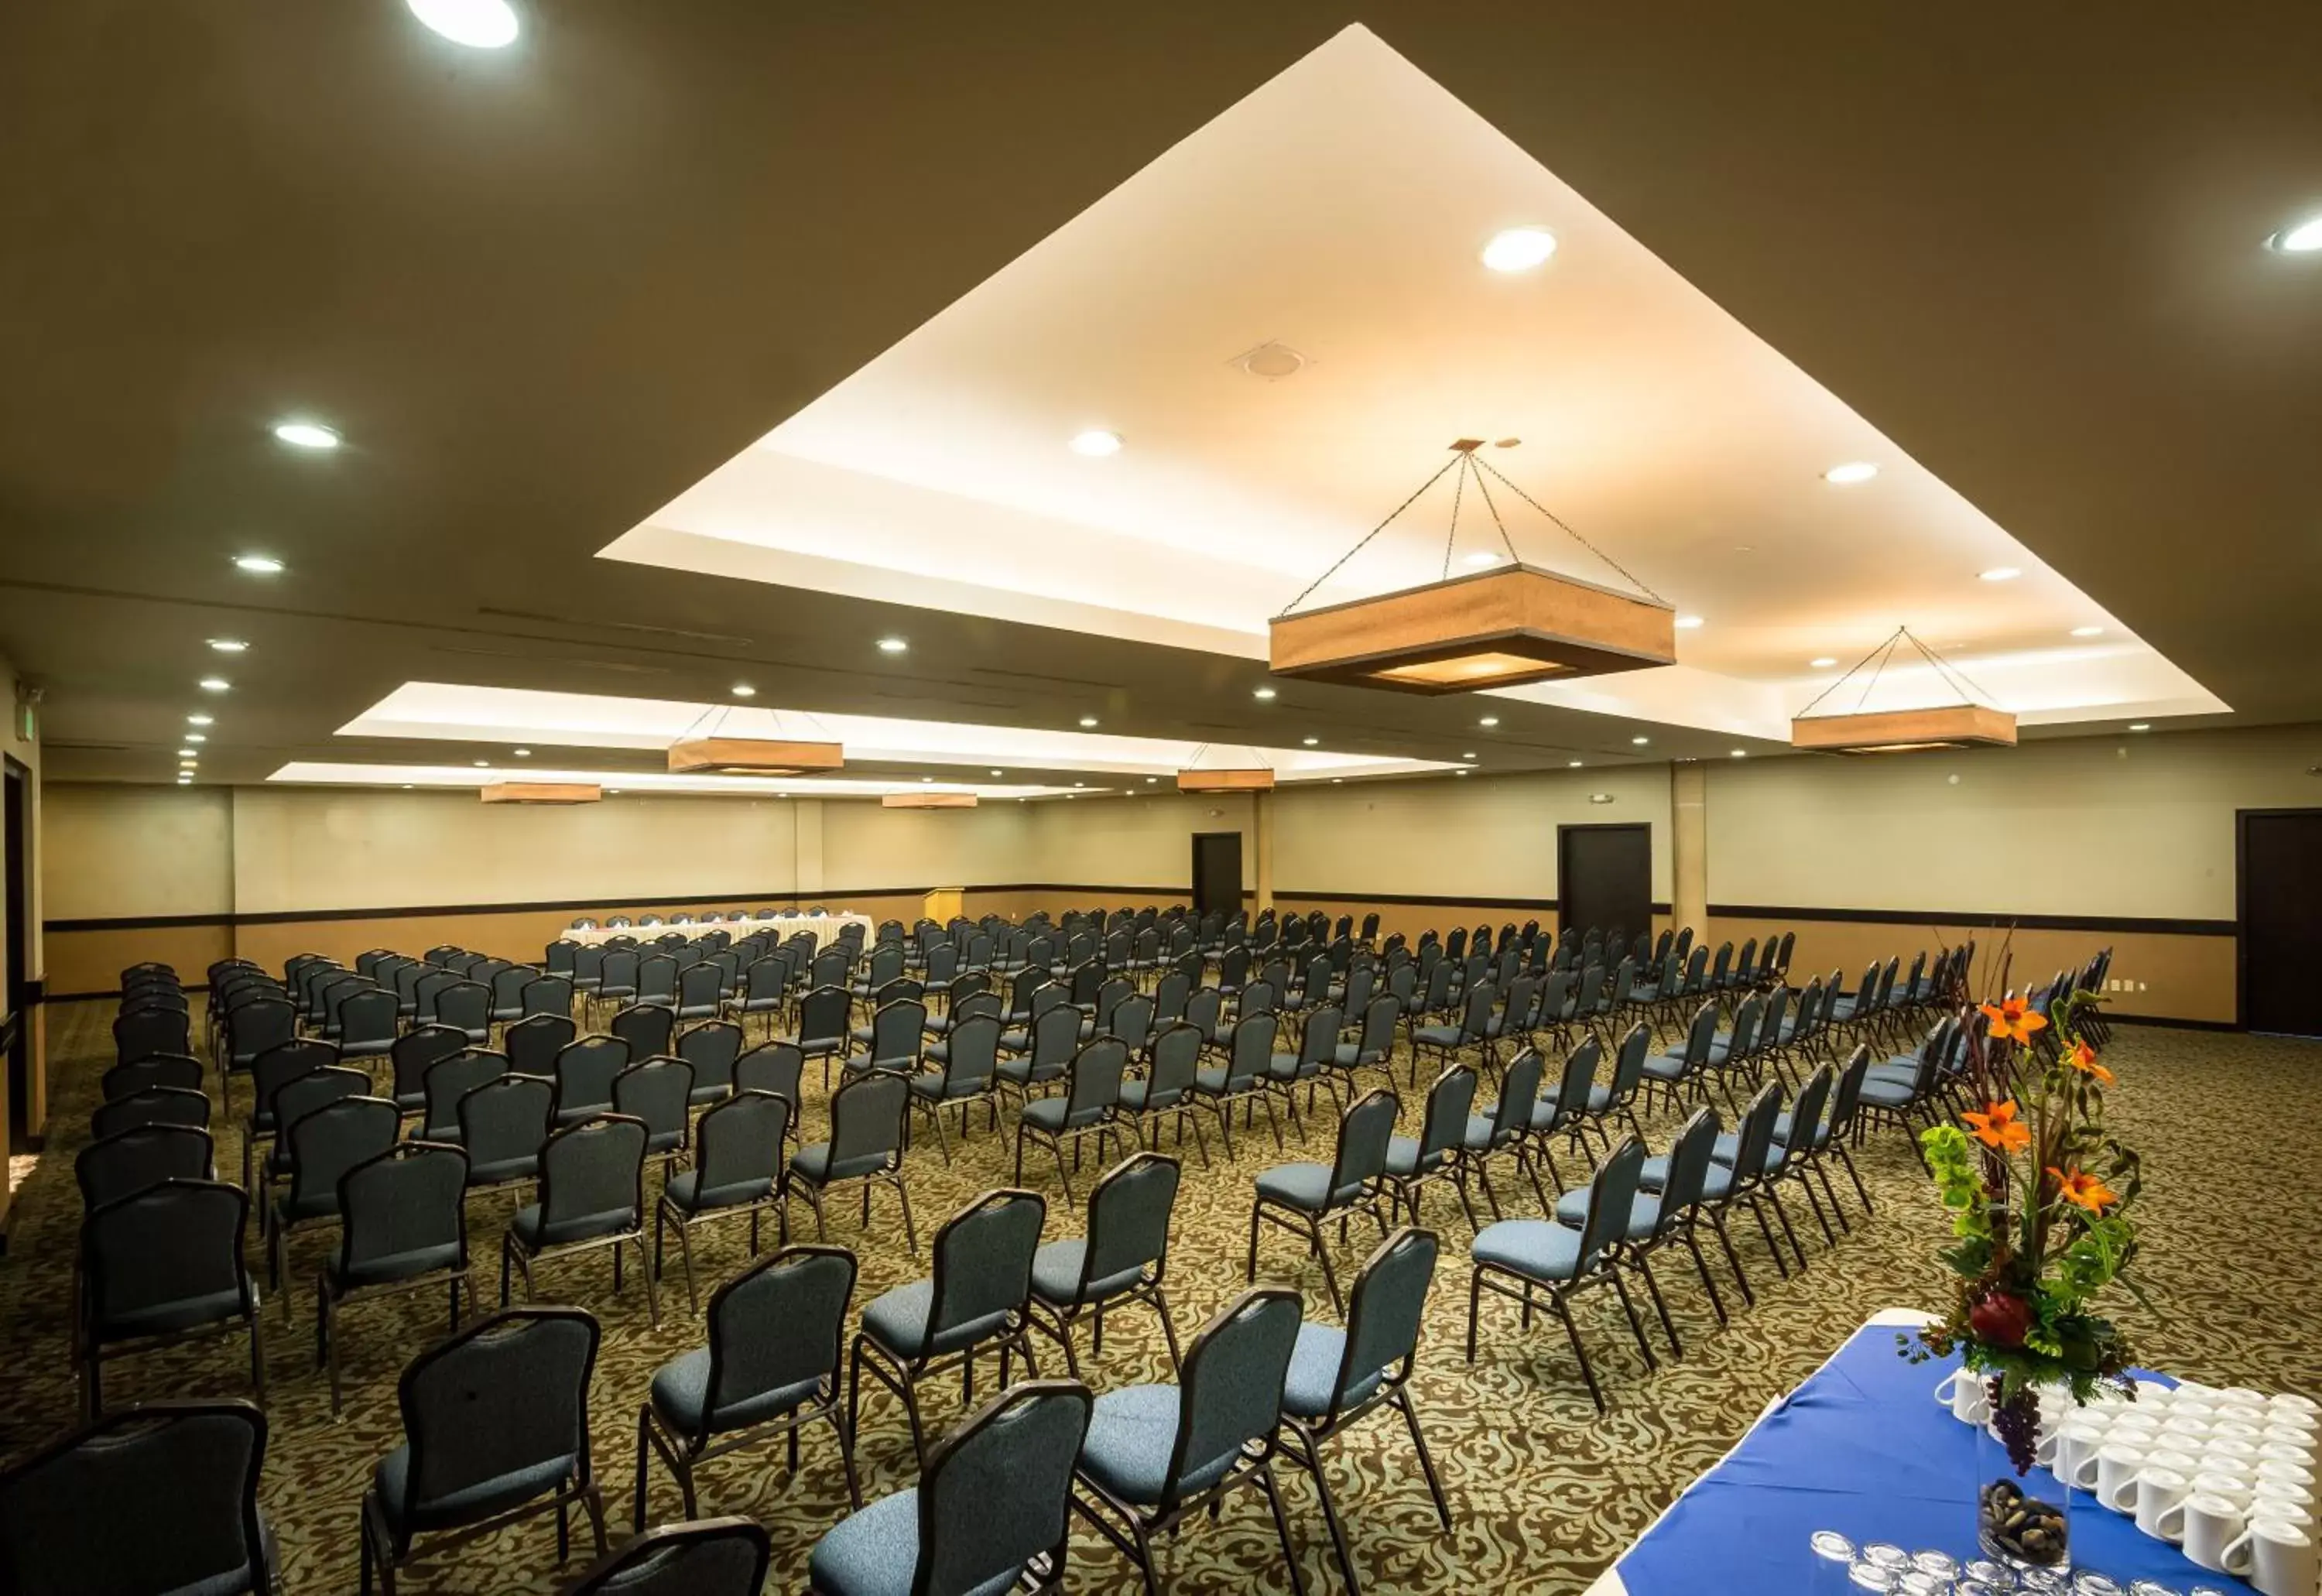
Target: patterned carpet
<point>1544,1492</point>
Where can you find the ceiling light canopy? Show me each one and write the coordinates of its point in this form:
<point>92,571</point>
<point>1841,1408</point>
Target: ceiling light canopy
<point>1489,720</point>
<point>1824,663</point>
<point>1998,573</point>
<point>1851,472</point>
<point>480,24</point>
<point>541,792</point>
<point>1480,559</point>
<point>769,743</point>
<point>306,434</point>
<point>1965,723</point>
<point>927,800</point>
<point>1096,442</point>
<point>1088,720</point>
<point>1519,249</point>
<point>201,720</point>
<point>1225,769</point>
<point>1498,627</point>
<point>258,565</point>
<point>1640,742</point>
<point>1263,695</point>
<point>2300,238</point>
<point>742,690</point>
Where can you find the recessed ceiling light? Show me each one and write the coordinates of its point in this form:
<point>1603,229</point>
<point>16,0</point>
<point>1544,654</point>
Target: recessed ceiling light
<point>2302,238</point>
<point>926,778</point>
<point>1080,784</point>
<point>1088,720</point>
<point>1740,753</point>
<point>200,720</point>
<point>1311,741</point>
<point>1998,573</point>
<point>483,24</point>
<point>213,684</point>
<point>1466,756</point>
<point>483,764</point>
<point>893,645</point>
<point>742,690</point>
<point>1150,780</point>
<point>1519,249</point>
<point>1263,694</point>
<point>2087,631</point>
<point>522,752</point>
<point>1096,442</point>
<point>258,565</point>
<point>615,792</point>
<point>996,773</point>
<point>1824,663</point>
<point>2140,725</point>
<point>1851,470</point>
<point>1482,557</point>
<point>306,434</point>
<point>1489,720</point>
<point>407,787</point>
<point>1689,623</point>
<point>1574,764</point>
<point>187,753</point>
<point>1336,780</point>
<point>229,645</point>
<point>185,780</point>
<point>197,737</point>
<point>1458,772</point>
<point>1640,742</point>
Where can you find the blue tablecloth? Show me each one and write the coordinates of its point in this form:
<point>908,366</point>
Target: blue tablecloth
<point>1863,1448</point>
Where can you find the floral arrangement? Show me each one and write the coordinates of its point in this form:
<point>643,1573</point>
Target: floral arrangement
<point>2039,1193</point>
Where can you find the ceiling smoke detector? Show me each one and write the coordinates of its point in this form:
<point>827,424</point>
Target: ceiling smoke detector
<point>1273,361</point>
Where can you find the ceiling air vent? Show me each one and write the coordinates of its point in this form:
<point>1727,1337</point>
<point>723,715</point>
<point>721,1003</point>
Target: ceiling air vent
<point>1271,360</point>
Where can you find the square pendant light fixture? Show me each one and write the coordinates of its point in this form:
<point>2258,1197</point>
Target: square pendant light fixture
<point>542,792</point>
<point>1225,769</point>
<point>1968,723</point>
<point>1500,626</point>
<point>713,746</point>
<point>927,800</point>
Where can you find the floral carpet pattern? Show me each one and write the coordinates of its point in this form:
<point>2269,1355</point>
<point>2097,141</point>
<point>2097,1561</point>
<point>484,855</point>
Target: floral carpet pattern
<point>1544,1492</point>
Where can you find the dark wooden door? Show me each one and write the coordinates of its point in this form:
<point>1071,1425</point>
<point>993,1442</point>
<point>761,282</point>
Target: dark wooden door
<point>15,981</point>
<point>2281,861</point>
<point>1604,878</point>
<point>1217,872</point>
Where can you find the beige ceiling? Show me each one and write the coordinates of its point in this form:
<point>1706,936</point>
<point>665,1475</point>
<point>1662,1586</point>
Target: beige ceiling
<point>542,291</point>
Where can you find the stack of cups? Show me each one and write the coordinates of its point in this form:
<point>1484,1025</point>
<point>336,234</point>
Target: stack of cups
<point>2227,1474</point>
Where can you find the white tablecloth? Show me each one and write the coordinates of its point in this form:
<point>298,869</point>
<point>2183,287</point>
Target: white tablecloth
<point>1608,1583</point>
<point>826,928</point>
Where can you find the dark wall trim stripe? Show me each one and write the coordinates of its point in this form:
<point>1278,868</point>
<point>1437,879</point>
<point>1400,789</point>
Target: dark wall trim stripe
<point>2170,1022</point>
<point>2100,924</point>
<point>1538,905</point>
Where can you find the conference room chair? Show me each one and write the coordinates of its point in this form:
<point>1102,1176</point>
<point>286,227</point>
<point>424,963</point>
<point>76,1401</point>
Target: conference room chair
<point>975,1301</point>
<point>970,996</point>
<point>764,988</point>
<point>700,992</point>
<point>152,1105</point>
<point>533,1042</point>
<point>1505,1127</point>
<point>777,1067</point>
<point>1089,1106</point>
<point>1048,1048</point>
<point>1668,1211</point>
<point>1828,1139</point>
<point>401,1231</point>
<point>160,1266</point>
<point>366,1023</point>
<point>561,957</point>
<point>251,1028</point>
<point>501,1125</point>
<point>1241,1079</point>
<point>1907,1101</point>
<point>893,1040</point>
<point>466,1006</point>
<point>1173,1064</point>
<point>1131,1019</point>
<point>736,1172</point>
<point>1536,1261</point>
<point>412,1055</point>
<point>710,1048</point>
<point>723,1556</point>
<point>550,994</point>
<point>964,1073</point>
<point>317,1146</point>
<point>1737,1180</point>
<point>617,977</point>
<point>588,970</point>
<point>1337,1377</point>
<point>1681,1071</point>
<point>181,1476</point>
<point>592,1196</point>
<point>771,1365</point>
<point>1790,1164</point>
<point>1413,1162</point>
<point>1310,1065</point>
<point>448,1080</point>
<point>658,1093</point>
<point>988,1513</point>
<point>824,1014</point>
<point>1156,1455</point>
<point>865,1149</point>
<point>139,1033</point>
<point>496,1430</point>
<point>1123,1259</point>
<point>1302,1196</point>
<point>507,982</point>
<point>127,1162</point>
<point>657,975</point>
<point>585,1070</point>
<point>154,1069</point>
<point>648,1027</point>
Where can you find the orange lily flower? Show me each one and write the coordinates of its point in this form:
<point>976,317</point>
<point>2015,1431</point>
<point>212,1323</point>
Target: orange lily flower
<point>2013,1020</point>
<point>2083,1189</point>
<point>2083,1058</point>
<point>1997,1126</point>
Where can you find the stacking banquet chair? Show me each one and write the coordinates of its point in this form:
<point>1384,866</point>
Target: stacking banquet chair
<point>1052,1040</point>
<point>585,1070</point>
<point>771,1365</point>
<point>1299,1197</point>
<point>1089,1106</point>
<point>162,1265</point>
<point>401,1229</point>
<point>647,1028</point>
<point>659,1092</point>
<point>777,1067</point>
<point>710,1048</point>
<point>155,1069</point>
<point>127,1162</point>
<point>866,1147</point>
<point>764,989</point>
<point>965,1062</point>
<point>141,1033</point>
<point>1828,1139</point>
<point>495,1429</point>
<point>1172,1066</point>
<point>1156,1454</point>
<point>180,1479</point>
<point>533,1042</point>
<point>592,1195</point>
<point>1737,1177</point>
<point>1540,1260</point>
<point>1338,1378</point>
<point>1318,1051</point>
<point>975,1301</point>
<point>1241,1079</point>
<point>152,1105</point>
<point>823,1026</point>
<point>1665,1214</point>
<point>412,1054</point>
<point>1120,1261</point>
<point>1505,1128</point>
<point>1682,1071</point>
<point>707,1557</point>
<point>321,1144</point>
<point>738,1169</point>
<point>1435,1153</point>
<point>988,1514</point>
<point>550,994</point>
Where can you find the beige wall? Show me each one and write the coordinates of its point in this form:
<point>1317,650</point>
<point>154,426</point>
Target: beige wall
<point>139,852</point>
<point>1146,840</point>
<point>866,846</point>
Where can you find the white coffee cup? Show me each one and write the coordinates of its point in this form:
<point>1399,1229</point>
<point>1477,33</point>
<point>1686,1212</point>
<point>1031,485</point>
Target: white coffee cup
<point>2227,1449</point>
<point>2233,1429</point>
<point>2118,1464</point>
<point>2187,1434</point>
<point>2287,1408</point>
<point>2276,1557</point>
<point>2292,1461</point>
<point>1966,1395</point>
<point>2208,1525</point>
<point>2294,1400</point>
<point>2241,1397</point>
<point>2282,1499</point>
<point>2157,1493</point>
<point>2219,1483</point>
<point>2177,1460</point>
<point>2277,1434</point>
<point>2131,1421</point>
<point>2152,1391</point>
<point>2076,1452</point>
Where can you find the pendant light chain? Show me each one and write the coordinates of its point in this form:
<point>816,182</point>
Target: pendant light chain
<point>1451,538</point>
<point>1366,537</point>
<point>1626,575</point>
<point>1952,676</point>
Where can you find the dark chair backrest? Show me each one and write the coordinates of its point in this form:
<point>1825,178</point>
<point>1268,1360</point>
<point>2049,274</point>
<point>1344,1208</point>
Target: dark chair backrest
<point>550,994</point>
<point>128,1161</point>
<point>174,1241</point>
<point>711,1047</point>
<point>139,1033</point>
<point>866,1119</point>
<point>591,1174</point>
<point>1363,1131</point>
<point>403,1200</point>
<point>532,1043</point>
<point>1444,1127</point>
<point>155,1105</point>
<point>1128,1216</point>
<point>984,1264</point>
<point>467,1007</point>
<point>660,1092</point>
<point>1519,1091</point>
<point>1612,1194</point>
<point>994,1493</point>
<point>585,1070</point>
<point>451,1080</point>
<point>822,1015</point>
<point>1384,1309</point>
<point>419,1051</point>
<point>162,1496</point>
<point>739,1142</point>
<point>724,1557</point>
<point>155,1069</point>
<point>771,1066</point>
<point>506,1118</point>
<point>647,1027</point>
<point>972,1052</point>
<point>507,1395</point>
<point>1689,1165</point>
<point>330,1139</point>
<point>1229,1393</point>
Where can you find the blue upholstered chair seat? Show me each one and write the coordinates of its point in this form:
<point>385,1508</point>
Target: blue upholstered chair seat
<point>1314,1369</point>
<point>535,1234</point>
<point>898,1321</point>
<point>1535,1248</point>
<point>1886,1092</point>
<point>1403,1157</point>
<point>394,1266</point>
<point>1644,1213</point>
<point>1131,1433</point>
<point>162,1318</point>
<point>1136,1096</point>
<point>1728,1148</point>
<point>1653,1174</point>
<point>813,1161</point>
<point>680,1391</point>
<point>1056,1275</point>
<point>685,1191</point>
<point>1054,1114</point>
<point>1436,1036</point>
<point>392,1479</point>
<point>876,1551</point>
<point>1297,1185</point>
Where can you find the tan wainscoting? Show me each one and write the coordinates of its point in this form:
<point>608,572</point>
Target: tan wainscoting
<point>2185,976</point>
<point>81,962</point>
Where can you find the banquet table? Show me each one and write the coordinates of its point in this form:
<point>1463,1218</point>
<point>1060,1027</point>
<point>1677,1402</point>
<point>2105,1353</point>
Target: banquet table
<point>825,927</point>
<point>1863,1449</point>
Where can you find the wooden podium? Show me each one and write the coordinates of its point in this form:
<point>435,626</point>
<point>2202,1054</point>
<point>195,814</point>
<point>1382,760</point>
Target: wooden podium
<point>943,905</point>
